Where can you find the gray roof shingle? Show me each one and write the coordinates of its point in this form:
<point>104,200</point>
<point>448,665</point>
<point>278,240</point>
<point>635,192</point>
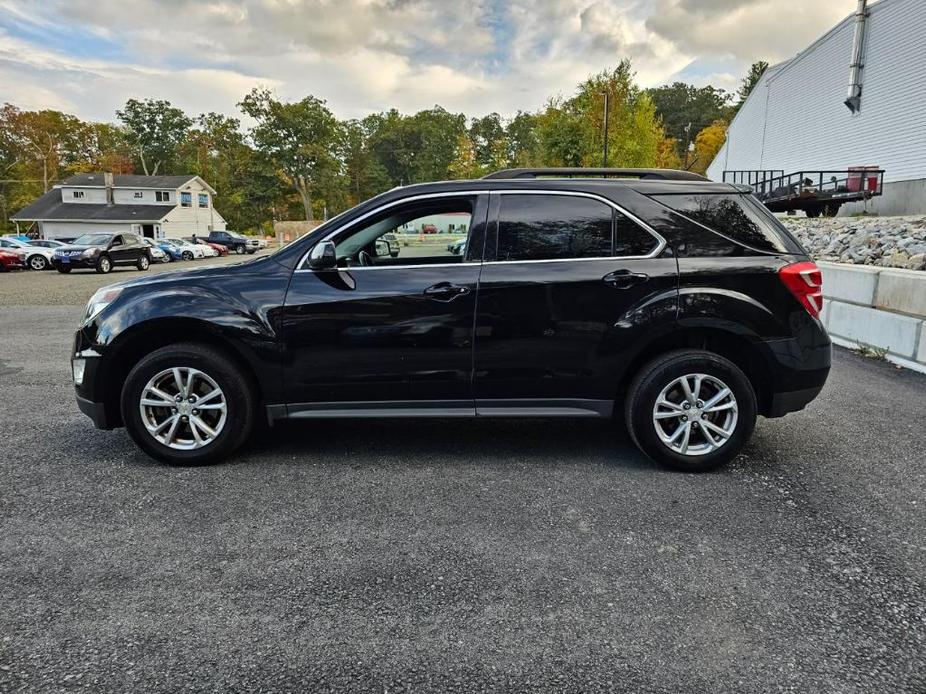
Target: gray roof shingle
<point>50,206</point>
<point>128,180</point>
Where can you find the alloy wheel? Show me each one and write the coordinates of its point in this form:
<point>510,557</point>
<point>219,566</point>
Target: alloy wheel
<point>38,262</point>
<point>183,408</point>
<point>695,414</point>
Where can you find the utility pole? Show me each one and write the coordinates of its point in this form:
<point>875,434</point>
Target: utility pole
<point>606,104</point>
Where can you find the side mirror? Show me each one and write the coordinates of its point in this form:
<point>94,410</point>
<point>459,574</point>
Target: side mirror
<point>323,256</point>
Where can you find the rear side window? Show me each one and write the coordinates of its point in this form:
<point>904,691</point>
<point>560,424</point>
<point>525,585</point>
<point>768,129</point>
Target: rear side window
<point>558,227</point>
<point>733,215</point>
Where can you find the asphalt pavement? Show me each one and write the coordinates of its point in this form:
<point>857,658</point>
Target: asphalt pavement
<point>508,556</point>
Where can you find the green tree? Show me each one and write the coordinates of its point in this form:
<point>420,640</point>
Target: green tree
<point>685,110</point>
<point>756,70</point>
<point>523,140</point>
<point>301,138</point>
<point>155,130</point>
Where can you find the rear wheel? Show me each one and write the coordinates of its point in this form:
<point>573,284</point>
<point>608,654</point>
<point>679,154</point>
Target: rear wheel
<point>37,262</point>
<point>187,404</point>
<point>64,270</point>
<point>104,265</point>
<point>690,410</point>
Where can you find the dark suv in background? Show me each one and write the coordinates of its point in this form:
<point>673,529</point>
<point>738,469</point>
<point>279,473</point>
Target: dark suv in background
<point>235,243</point>
<point>102,252</point>
<point>681,305</point>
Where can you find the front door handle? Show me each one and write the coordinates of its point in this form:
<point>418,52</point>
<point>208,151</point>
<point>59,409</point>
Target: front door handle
<point>445,291</point>
<point>624,279</point>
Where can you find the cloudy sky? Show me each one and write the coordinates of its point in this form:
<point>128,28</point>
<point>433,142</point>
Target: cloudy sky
<point>476,56</point>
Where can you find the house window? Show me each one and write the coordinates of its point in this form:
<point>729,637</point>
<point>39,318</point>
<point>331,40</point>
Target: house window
<point>138,195</point>
<point>78,194</point>
<point>162,196</point>
<point>186,200</point>
<point>203,200</point>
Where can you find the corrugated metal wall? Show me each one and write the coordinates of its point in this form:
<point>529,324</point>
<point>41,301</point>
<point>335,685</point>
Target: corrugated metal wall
<point>796,119</point>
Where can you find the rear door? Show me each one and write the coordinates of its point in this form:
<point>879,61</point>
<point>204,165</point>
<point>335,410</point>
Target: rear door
<point>383,332</point>
<point>570,282</point>
<point>118,251</point>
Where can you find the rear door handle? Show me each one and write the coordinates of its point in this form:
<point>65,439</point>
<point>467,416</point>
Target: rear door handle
<point>624,279</point>
<point>445,291</point>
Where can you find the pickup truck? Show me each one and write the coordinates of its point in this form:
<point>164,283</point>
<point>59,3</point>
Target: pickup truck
<point>236,243</point>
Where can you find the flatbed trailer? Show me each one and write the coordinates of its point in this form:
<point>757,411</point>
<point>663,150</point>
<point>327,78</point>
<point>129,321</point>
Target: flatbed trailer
<point>815,192</point>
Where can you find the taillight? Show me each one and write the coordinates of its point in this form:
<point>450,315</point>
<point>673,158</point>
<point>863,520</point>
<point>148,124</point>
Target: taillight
<point>806,283</point>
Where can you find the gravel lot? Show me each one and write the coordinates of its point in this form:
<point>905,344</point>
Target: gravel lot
<point>510,556</point>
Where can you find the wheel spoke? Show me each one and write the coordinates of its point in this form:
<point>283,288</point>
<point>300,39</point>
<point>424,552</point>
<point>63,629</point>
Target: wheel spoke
<point>716,429</point>
<point>163,425</point>
<point>720,408</point>
<point>160,393</point>
<point>148,402</point>
<point>670,405</point>
<point>207,397</point>
<point>669,415</point>
<point>195,431</point>
<point>697,388</point>
<point>191,374</point>
<point>178,381</point>
<point>724,392</point>
<point>202,425</point>
<point>689,396</point>
<point>683,447</point>
<point>712,442</point>
<point>173,429</point>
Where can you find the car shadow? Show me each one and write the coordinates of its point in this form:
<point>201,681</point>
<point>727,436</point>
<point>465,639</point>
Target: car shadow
<point>426,442</point>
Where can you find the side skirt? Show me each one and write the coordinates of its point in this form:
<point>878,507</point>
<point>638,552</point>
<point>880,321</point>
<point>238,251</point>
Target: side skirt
<point>531,407</point>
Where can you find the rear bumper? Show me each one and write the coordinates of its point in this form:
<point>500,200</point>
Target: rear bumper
<point>799,368</point>
<point>792,401</point>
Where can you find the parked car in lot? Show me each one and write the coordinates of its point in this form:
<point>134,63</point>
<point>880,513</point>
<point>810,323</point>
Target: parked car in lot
<point>188,251</point>
<point>157,254</point>
<point>12,260</point>
<point>679,304</point>
<point>36,257</point>
<point>102,252</point>
<point>217,247</point>
<point>457,247</point>
<point>236,243</point>
<point>47,243</point>
<point>208,250</point>
<point>387,245</point>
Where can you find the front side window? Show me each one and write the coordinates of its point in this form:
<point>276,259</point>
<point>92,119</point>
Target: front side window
<point>413,234</point>
<point>203,200</point>
<point>186,199</point>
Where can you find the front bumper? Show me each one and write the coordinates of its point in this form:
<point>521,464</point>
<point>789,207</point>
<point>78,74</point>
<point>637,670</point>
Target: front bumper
<point>96,411</point>
<point>75,263</point>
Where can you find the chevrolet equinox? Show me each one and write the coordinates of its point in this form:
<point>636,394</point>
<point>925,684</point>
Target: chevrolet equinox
<point>678,304</point>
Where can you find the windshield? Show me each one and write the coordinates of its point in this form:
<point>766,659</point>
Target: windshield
<point>92,240</point>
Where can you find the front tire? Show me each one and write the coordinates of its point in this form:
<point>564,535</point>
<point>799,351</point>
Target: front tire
<point>160,398</point>
<point>143,263</point>
<point>64,270</point>
<point>240,249</point>
<point>690,410</point>
<point>104,265</point>
<point>37,262</point>
<point>187,255</point>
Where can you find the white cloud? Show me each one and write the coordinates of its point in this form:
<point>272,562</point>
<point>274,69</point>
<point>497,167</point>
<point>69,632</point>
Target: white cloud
<point>369,55</point>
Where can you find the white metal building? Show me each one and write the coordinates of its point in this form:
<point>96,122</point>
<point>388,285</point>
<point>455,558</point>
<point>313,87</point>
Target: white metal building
<point>798,117</point>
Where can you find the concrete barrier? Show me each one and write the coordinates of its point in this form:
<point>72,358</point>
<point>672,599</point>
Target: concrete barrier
<point>875,307</point>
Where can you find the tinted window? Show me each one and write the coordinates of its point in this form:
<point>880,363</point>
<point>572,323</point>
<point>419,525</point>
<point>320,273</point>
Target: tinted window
<point>732,215</point>
<point>630,238</point>
<point>548,227</point>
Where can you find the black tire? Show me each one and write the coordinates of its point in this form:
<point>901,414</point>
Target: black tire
<point>143,262</point>
<point>812,212</point>
<point>64,270</point>
<point>104,265</point>
<point>240,249</point>
<point>658,374</point>
<point>187,255</point>
<point>240,401</point>
<point>37,262</point>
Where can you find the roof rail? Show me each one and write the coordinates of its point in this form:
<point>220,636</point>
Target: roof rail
<point>581,172</point>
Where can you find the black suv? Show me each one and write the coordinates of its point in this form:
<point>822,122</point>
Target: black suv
<point>102,252</point>
<point>678,304</point>
<point>236,243</point>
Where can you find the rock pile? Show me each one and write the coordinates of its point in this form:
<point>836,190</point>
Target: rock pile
<point>886,241</point>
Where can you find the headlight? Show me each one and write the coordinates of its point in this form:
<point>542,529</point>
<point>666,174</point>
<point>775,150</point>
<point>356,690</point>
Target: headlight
<point>90,252</point>
<point>103,298</point>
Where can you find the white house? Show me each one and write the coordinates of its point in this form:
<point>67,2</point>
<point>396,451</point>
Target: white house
<point>152,206</point>
<point>838,104</point>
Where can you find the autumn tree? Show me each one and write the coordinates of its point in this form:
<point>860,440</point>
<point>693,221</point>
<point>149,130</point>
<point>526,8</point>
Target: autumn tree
<point>155,130</point>
<point>301,137</point>
<point>707,144</point>
<point>685,110</point>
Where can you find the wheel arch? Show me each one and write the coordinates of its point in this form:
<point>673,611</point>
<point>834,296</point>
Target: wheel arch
<point>147,336</point>
<point>746,354</point>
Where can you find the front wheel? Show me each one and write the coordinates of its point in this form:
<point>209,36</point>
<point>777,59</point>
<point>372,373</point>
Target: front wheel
<point>104,265</point>
<point>187,404</point>
<point>38,262</point>
<point>64,270</point>
<point>690,410</point>
<point>240,249</point>
<point>143,263</point>
<point>187,255</point>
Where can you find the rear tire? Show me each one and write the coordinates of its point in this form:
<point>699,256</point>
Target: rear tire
<point>703,447</point>
<point>104,265</point>
<point>236,395</point>
<point>64,270</point>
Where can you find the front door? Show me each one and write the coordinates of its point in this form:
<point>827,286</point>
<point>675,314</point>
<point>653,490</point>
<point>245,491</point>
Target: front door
<point>392,326</point>
<point>569,284</point>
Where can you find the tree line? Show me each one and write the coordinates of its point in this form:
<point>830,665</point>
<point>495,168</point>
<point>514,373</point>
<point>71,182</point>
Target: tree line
<point>298,160</point>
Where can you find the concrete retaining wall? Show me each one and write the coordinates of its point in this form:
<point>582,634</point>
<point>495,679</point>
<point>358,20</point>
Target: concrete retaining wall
<point>877,307</point>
